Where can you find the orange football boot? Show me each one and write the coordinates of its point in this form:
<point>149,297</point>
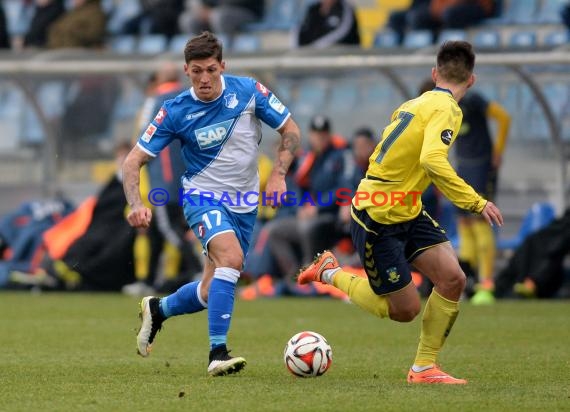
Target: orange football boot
<point>433,375</point>
<point>312,273</point>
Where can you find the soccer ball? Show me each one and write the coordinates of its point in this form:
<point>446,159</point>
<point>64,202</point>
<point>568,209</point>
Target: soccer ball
<point>307,354</point>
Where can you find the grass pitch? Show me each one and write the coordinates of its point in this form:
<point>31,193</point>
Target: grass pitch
<point>77,353</point>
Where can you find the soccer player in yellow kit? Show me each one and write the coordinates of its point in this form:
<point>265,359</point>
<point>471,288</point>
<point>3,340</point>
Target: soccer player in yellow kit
<point>389,227</point>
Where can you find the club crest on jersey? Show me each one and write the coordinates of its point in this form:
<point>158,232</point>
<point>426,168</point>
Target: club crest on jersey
<point>160,116</point>
<point>446,136</point>
<point>231,100</point>
<point>148,133</point>
<point>213,135</point>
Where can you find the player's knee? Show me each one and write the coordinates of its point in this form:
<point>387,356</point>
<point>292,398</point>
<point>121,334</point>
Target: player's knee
<point>405,314</point>
<point>234,261</point>
<point>455,281</point>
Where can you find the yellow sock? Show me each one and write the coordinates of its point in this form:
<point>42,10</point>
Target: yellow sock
<point>172,258</point>
<point>437,321</point>
<point>485,246</point>
<point>361,294</point>
<point>467,247</point>
<point>70,277</point>
<point>141,251</point>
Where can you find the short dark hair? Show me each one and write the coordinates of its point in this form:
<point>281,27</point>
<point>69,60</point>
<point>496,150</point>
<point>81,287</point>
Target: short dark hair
<point>320,123</point>
<point>365,132</point>
<point>426,86</point>
<point>203,46</point>
<point>455,61</point>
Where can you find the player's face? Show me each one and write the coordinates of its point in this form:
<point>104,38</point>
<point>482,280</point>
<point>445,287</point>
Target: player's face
<point>319,141</point>
<point>205,76</point>
<point>362,149</point>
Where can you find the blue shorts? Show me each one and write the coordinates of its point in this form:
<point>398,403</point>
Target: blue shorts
<point>386,250</point>
<point>210,220</point>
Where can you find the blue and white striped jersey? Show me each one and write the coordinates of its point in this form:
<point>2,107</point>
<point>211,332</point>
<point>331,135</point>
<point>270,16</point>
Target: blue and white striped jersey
<point>220,139</point>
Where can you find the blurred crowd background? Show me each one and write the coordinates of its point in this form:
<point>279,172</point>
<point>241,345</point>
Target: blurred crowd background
<point>75,76</point>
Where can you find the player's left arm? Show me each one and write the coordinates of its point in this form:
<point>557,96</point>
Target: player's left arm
<point>439,134</point>
<point>503,120</point>
<point>286,152</point>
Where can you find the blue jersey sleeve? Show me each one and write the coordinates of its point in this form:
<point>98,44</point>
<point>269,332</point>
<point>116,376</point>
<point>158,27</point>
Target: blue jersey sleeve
<point>268,107</point>
<point>159,133</point>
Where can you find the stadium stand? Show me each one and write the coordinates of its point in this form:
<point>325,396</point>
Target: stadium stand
<point>385,38</point>
<point>452,34</point>
<point>246,43</point>
<point>418,39</point>
<point>538,216</point>
<point>487,39</point>
<point>549,12</point>
<point>152,44</point>
<point>280,15</point>
<point>523,39</point>
<point>124,44</point>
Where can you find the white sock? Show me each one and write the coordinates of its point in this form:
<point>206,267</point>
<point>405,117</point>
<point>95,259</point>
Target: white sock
<point>328,274</point>
<point>417,368</point>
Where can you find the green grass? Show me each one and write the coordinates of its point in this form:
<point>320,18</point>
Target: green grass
<point>77,352</point>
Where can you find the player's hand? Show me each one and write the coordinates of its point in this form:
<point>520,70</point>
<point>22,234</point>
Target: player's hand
<point>275,190</point>
<point>140,217</point>
<point>492,214</point>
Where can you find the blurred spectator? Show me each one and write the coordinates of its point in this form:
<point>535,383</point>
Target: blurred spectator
<point>565,14</point>
<point>4,37</point>
<point>327,23</point>
<point>478,159</point>
<point>89,249</point>
<point>84,25</point>
<point>167,233</point>
<point>45,13</point>
<point>402,20</point>
<point>261,265</point>
<point>319,176</point>
<point>537,267</point>
<point>362,146</point>
<point>156,17</point>
<point>436,15</point>
<point>225,17</point>
<point>21,233</point>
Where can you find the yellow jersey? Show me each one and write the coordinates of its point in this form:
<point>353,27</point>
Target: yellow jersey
<point>412,153</point>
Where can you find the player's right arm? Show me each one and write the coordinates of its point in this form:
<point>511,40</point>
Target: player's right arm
<point>158,135</point>
<point>139,215</point>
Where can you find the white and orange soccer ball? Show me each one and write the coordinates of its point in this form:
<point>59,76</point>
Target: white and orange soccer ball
<point>307,354</point>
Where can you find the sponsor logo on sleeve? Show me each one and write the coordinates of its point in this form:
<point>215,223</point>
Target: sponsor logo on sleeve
<point>446,136</point>
<point>276,104</point>
<point>160,116</point>
<point>148,133</point>
<point>213,135</point>
<point>262,89</point>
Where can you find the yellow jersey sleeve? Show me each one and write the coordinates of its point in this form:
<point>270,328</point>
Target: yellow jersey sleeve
<point>439,134</point>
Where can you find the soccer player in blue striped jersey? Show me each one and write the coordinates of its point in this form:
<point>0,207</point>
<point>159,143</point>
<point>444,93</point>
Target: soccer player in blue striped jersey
<point>218,123</point>
<point>389,227</point>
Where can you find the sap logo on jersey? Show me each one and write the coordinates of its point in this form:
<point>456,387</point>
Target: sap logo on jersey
<point>213,135</point>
